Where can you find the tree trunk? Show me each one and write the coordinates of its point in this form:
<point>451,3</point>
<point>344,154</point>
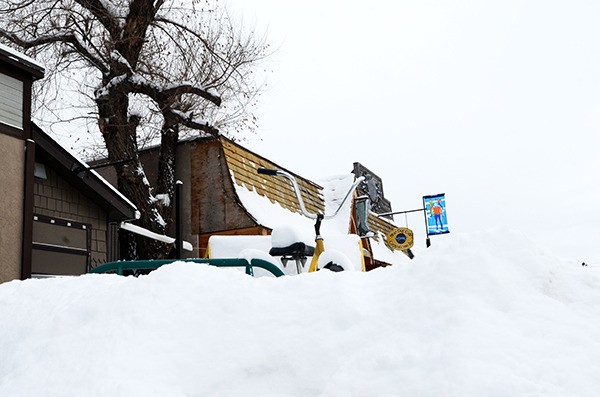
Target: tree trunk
<point>167,161</point>
<point>150,48</point>
<point>119,132</point>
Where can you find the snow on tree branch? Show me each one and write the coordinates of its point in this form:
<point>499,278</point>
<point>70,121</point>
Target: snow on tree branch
<point>187,119</point>
<point>106,13</point>
<point>113,83</point>
<point>157,92</point>
<point>184,64</point>
<point>116,56</point>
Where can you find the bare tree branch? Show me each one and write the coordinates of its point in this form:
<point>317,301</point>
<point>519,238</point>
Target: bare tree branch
<point>147,68</point>
<point>140,86</point>
<point>102,15</point>
<point>65,38</point>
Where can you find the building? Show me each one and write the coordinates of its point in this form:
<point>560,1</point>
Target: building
<point>224,195</point>
<point>57,217</point>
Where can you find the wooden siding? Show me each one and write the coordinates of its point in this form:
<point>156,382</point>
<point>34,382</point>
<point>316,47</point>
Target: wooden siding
<point>55,197</point>
<point>11,101</point>
<point>243,164</point>
<point>381,225</point>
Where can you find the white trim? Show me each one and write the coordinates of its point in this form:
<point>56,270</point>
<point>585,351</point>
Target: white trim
<point>150,234</point>
<point>20,57</point>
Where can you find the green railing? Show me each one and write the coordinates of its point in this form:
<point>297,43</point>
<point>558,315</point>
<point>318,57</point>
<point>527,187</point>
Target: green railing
<point>121,266</point>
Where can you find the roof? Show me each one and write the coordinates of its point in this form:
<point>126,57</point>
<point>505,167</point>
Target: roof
<point>254,189</point>
<point>380,225</point>
<point>22,61</point>
<point>242,165</point>
<point>76,172</point>
<point>271,201</point>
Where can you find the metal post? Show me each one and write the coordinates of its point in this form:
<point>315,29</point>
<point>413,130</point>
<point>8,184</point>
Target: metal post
<point>427,240</point>
<point>27,230</point>
<point>178,220</point>
<point>400,212</point>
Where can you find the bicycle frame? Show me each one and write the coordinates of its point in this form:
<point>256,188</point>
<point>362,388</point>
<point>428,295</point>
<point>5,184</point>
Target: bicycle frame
<point>319,243</point>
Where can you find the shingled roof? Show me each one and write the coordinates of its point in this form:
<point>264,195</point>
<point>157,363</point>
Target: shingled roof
<point>242,165</point>
<point>380,225</point>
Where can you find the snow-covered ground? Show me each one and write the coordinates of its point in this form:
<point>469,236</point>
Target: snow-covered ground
<point>483,314</point>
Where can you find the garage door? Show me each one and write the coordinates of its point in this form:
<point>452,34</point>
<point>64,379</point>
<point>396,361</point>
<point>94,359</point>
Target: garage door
<point>60,246</point>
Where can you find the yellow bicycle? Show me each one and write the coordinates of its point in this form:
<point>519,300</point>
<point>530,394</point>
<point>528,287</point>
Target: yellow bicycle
<point>298,251</point>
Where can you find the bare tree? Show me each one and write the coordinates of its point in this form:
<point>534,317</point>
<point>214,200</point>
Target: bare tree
<point>152,69</point>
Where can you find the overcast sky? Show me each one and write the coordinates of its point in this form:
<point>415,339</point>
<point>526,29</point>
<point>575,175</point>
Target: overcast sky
<point>495,103</point>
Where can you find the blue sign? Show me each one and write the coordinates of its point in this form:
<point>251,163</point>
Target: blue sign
<point>435,214</point>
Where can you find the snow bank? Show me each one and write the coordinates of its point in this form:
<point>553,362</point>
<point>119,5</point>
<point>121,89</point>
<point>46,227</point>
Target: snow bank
<point>248,247</point>
<point>483,314</point>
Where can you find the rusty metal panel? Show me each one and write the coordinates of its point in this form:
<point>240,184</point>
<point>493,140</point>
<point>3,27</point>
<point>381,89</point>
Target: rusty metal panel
<point>215,206</point>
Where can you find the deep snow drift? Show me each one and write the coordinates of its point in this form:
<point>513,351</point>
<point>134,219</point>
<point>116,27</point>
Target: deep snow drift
<point>484,314</point>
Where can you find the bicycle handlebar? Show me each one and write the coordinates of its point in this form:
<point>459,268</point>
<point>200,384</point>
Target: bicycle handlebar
<point>291,178</point>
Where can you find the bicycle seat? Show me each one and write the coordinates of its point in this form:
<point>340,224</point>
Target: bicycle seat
<point>299,250</point>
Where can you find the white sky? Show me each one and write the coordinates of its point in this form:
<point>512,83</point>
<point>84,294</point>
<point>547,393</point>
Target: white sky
<point>494,103</point>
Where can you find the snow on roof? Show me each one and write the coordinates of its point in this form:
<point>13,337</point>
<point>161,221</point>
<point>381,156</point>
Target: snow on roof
<point>270,213</point>
<point>21,58</point>
<point>243,164</point>
<point>271,201</point>
<point>115,190</point>
<point>80,164</point>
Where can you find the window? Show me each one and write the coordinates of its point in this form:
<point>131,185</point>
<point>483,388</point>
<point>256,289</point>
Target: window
<point>11,101</point>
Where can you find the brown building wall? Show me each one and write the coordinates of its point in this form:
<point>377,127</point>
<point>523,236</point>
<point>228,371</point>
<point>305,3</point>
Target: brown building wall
<point>150,161</point>
<point>12,164</point>
<point>215,206</point>
<point>210,204</point>
<point>182,173</point>
<point>54,197</point>
<point>209,200</point>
